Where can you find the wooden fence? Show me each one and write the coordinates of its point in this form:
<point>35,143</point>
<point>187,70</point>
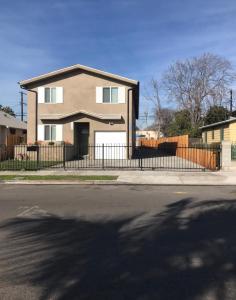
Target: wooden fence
<point>182,140</point>
<point>207,157</point>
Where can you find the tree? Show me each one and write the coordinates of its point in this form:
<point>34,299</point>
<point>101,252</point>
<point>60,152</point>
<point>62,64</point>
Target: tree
<point>216,114</point>
<point>8,110</point>
<point>196,84</point>
<point>152,95</point>
<point>163,116</point>
<point>167,116</point>
<point>181,124</point>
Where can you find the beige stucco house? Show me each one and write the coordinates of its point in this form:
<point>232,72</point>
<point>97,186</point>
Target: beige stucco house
<point>82,106</point>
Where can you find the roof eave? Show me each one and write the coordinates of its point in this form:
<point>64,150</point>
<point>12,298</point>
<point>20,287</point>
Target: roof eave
<point>26,82</point>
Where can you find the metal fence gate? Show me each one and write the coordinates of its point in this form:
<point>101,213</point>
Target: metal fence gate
<point>166,157</point>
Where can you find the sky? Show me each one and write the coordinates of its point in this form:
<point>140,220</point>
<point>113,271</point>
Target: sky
<point>138,39</point>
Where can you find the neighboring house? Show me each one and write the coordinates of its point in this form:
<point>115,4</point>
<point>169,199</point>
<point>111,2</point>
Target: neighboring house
<point>220,131</point>
<point>12,130</point>
<point>79,105</point>
<point>148,134</point>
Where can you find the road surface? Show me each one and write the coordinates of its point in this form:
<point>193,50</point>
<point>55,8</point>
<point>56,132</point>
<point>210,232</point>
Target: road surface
<point>117,242</point>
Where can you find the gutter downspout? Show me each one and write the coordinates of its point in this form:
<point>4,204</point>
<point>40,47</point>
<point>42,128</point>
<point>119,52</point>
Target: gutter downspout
<point>128,119</point>
<point>36,111</point>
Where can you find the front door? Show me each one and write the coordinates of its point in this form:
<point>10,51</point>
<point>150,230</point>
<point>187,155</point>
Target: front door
<point>83,138</point>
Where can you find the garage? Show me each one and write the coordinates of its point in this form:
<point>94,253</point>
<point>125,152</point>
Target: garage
<point>110,144</point>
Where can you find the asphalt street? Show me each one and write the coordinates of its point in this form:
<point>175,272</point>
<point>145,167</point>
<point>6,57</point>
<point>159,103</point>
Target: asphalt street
<point>117,242</point>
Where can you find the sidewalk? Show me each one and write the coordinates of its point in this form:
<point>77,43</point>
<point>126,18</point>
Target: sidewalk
<point>140,177</point>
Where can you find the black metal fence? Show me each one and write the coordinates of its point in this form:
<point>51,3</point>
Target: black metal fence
<point>164,157</point>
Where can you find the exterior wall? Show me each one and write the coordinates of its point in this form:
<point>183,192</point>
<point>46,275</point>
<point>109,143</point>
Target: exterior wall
<point>149,134</point>
<point>216,134</point>
<point>7,138</point>
<point>232,128</point>
<point>3,135</point>
<point>79,94</point>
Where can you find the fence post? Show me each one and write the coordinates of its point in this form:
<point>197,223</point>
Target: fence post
<point>218,161</point>
<point>103,156</point>
<point>64,156</point>
<point>226,155</point>
<point>141,157</point>
<point>37,153</point>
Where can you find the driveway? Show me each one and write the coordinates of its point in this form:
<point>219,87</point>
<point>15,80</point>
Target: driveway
<point>117,242</point>
<point>155,162</point>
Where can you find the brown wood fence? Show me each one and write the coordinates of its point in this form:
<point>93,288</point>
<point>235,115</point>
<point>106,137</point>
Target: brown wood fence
<point>179,145</point>
<point>182,140</point>
<point>207,158</point>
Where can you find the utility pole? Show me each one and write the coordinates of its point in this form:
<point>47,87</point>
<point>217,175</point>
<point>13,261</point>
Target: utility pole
<point>22,105</point>
<point>231,102</point>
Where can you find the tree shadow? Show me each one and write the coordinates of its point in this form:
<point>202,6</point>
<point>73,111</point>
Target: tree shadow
<point>188,251</point>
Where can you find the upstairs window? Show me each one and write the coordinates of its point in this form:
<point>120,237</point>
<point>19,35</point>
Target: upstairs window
<point>50,95</point>
<point>110,95</point>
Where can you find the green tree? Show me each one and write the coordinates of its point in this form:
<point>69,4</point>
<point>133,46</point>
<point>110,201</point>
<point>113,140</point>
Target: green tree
<point>181,124</point>
<point>216,114</point>
<point>8,110</point>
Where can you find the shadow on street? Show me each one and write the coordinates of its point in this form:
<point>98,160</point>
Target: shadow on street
<point>188,251</point>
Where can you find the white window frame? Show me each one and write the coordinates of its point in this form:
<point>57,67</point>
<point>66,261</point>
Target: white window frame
<point>50,88</point>
<point>50,132</point>
<point>110,87</point>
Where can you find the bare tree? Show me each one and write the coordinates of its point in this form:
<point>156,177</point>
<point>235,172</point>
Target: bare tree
<point>197,83</point>
<point>152,95</point>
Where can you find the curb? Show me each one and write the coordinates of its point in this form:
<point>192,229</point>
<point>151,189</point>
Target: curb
<point>60,182</point>
<point>104,182</point>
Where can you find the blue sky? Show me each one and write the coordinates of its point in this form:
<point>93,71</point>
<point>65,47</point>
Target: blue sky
<point>133,38</point>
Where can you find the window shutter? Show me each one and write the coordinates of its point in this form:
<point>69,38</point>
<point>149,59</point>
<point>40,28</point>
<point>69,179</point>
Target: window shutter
<point>99,94</point>
<point>41,95</point>
<point>40,132</point>
<point>59,93</point>
<point>59,133</point>
<point>121,95</point>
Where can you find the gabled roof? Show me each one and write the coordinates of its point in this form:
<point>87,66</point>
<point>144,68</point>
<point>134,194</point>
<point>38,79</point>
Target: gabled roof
<point>232,119</point>
<point>25,82</point>
<point>83,112</point>
<point>10,121</point>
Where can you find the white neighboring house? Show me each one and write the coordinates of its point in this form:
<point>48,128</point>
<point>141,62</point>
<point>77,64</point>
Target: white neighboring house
<point>148,134</point>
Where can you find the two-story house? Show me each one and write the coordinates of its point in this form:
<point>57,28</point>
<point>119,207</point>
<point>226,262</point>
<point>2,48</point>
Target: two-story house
<point>82,106</point>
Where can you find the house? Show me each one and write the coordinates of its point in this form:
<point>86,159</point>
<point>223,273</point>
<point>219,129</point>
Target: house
<point>220,131</point>
<point>82,106</point>
<point>148,134</point>
<point>12,130</point>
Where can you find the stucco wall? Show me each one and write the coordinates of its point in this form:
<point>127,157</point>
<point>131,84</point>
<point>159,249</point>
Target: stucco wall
<point>79,94</point>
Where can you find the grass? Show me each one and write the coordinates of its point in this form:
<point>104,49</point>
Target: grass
<point>26,164</point>
<point>58,177</point>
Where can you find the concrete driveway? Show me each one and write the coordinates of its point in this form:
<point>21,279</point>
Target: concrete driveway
<point>117,242</point>
<point>158,162</point>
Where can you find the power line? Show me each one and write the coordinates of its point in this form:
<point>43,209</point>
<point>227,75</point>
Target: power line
<point>22,103</point>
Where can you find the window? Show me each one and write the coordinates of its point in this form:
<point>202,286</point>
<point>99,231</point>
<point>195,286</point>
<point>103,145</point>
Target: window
<point>12,131</point>
<point>110,95</point>
<point>50,132</point>
<point>50,95</point>
<point>221,134</point>
<point>213,134</point>
<point>205,137</point>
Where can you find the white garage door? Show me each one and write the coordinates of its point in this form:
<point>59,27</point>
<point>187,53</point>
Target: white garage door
<point>114,145</point>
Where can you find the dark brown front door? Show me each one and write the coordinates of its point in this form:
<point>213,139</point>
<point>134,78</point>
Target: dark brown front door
<point>83,138</point>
